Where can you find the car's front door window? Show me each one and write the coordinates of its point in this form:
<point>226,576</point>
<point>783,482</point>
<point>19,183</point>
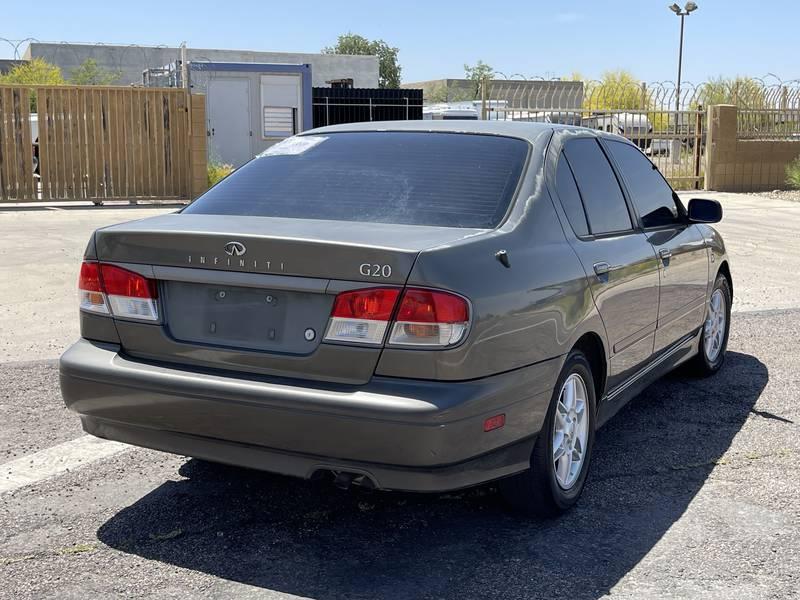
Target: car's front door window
<point>652,197</point>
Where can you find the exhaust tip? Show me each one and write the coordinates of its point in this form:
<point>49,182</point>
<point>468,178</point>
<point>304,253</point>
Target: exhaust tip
<point>345,479</point>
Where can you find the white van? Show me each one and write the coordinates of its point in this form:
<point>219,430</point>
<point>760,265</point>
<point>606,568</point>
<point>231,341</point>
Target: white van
<point>634,126</point>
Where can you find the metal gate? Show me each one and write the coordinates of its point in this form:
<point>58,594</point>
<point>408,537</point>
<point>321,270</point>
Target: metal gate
<point>93,143</point>
<point>672,134</point>
<point>673,140</point>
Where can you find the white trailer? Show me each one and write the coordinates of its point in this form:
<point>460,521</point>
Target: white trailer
<point>445,111</point>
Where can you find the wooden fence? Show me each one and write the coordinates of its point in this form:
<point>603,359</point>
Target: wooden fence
<point>95,143</point>
<point>16,145</point>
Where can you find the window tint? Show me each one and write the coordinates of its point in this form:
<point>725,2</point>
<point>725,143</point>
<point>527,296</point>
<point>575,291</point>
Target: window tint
<point>651,195</point>
<point>418,178</point>
<point>599,188</point>
<point>567,192</point>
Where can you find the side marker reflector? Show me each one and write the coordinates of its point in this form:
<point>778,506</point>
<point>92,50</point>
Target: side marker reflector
<point>495,422</point>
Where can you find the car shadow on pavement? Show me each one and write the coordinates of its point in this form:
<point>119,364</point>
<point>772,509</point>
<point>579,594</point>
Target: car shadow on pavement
<point>310,539</point>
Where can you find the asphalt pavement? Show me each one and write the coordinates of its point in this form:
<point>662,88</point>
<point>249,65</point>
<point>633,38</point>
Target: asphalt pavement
<point>694,490</point>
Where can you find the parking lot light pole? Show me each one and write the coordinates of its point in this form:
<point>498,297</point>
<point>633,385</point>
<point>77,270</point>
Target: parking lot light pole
<point>688,8</point>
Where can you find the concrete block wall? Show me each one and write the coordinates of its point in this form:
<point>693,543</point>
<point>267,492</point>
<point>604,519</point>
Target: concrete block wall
<point>533,94</point>
<point>743,165</point>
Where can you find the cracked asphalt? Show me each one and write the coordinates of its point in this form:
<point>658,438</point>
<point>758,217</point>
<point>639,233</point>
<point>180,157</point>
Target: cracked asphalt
<point>694,490</point>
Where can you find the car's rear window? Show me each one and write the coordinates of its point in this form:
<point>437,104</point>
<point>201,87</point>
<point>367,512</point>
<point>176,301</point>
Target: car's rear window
<point>418,178</point>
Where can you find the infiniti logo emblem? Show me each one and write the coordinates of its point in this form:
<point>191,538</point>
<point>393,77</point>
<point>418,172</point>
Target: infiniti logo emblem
<point>235,249</point>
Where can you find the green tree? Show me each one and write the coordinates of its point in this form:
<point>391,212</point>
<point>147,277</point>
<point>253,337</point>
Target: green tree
<point>619,90</point>
<point>793,174</point>
<point>478,71</point>
<point>744,92</point>
<point>89,73</point>
<point>388,68</point>
<point>437,94</point>
<point>476,74</point>
<point>443,93</point>
<point>33,72</point>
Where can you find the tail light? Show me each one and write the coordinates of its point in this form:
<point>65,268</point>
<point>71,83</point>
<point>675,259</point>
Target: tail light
<point>424,317</point>
<point>90,289</point>
<point>362,316</point>
<point>430,318</point>
<point>108,289</point>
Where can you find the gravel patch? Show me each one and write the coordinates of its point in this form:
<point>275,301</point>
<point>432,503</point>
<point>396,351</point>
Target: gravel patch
<point>32,414</point>
<point>790,195</point>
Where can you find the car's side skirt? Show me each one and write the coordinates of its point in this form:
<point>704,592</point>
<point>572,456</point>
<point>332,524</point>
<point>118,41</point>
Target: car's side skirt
<point>677,353</point>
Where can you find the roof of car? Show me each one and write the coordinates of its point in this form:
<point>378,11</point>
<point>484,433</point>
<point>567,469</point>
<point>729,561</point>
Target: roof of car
<point>528,131</point>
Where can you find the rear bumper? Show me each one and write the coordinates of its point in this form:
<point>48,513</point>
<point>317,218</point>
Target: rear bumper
<point>401,434</point>
<point>494,465</point>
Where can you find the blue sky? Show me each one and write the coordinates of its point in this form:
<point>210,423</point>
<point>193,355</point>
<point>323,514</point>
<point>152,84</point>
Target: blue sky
<point>436,38</point>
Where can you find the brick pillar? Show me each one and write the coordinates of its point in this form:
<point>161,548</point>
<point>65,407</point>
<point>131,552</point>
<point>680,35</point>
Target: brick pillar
<point>720,147</point>
<point>198,141</point>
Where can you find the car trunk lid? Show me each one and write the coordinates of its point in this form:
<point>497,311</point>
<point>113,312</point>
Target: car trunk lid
<point>254,294</point>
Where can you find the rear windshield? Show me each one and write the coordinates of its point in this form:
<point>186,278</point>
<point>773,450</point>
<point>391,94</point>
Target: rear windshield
<point>417,178</point>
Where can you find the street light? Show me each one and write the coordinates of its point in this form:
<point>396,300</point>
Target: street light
<point>689,7</point>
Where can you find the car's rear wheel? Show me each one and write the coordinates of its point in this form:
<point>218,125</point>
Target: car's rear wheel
<point>561,456</point>
<point>714,340</point>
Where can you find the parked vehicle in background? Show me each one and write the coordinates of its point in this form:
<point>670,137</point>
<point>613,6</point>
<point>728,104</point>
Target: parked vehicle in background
<point>660,147</point>
<point>418,306</point>
<point>446,112</point>
<point>634,126</point>
<point>560,117</point>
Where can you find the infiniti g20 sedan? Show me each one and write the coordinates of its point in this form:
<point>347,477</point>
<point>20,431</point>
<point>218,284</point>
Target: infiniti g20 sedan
<point>417,306</point>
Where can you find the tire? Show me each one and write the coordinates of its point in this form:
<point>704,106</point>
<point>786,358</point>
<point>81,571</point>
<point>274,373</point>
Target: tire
<point>708,362</point>
<point>538,490</point>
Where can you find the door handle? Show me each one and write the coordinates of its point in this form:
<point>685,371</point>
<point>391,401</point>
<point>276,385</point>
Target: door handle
<point>601,268</point>
<point>665,254</point>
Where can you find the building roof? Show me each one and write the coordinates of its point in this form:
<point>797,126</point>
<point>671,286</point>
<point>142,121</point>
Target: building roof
<point>130,60</point>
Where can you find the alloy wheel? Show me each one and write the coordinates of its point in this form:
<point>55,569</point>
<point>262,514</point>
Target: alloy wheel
<point>714,329</point>
<point>570,431</point>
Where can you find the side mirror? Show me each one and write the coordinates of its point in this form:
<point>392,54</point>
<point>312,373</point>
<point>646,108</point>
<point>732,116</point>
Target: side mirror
<point>704,211</point>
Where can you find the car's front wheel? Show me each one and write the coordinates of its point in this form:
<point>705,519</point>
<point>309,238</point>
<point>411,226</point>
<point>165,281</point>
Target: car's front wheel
<point>714,341</point>
<point>560,458</point>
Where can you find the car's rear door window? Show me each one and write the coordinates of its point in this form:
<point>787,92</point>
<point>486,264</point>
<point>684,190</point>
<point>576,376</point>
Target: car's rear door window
<point>567,191</point>
<point>652,197</point>
<point>418,178</point>
<point>602,196</point>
